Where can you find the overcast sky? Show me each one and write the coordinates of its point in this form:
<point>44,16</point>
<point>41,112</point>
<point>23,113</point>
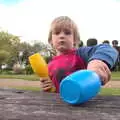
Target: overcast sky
<point>31,19</point>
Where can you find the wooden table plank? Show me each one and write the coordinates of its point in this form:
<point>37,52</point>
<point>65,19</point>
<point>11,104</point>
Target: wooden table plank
<point>26,105</point>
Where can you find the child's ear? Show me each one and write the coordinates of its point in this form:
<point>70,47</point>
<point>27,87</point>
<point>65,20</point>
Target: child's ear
<point>50,42</point>
<point>74,44</point>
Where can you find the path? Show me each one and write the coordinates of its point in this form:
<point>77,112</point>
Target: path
<point>22,83</point>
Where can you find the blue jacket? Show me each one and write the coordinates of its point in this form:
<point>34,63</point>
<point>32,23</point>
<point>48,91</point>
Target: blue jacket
<point>103,52</point>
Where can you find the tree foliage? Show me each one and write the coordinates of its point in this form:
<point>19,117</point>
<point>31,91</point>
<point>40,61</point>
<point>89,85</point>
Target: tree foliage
<point>11,47</point>
<point>8,44</point>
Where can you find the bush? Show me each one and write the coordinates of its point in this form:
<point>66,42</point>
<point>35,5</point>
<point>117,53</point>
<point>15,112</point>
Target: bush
<point>18,69</point>
<point>7,72</point>
<point>28,69</point>
<point>47,59</point>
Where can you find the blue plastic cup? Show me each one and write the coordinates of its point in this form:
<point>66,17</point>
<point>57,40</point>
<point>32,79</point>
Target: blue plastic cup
<point>80,86</point>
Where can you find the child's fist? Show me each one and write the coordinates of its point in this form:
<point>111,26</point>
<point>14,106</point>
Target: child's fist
<point>46,84</point>
<point>101,69</point>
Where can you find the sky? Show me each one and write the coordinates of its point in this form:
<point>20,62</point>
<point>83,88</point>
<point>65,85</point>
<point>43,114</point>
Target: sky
<point>31,19</point>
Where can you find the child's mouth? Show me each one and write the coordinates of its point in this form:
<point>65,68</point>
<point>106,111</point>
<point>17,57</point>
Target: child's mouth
<point>62,43</point>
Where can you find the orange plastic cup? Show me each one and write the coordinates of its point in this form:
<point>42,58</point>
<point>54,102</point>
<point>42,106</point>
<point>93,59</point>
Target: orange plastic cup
<point>39,66</point>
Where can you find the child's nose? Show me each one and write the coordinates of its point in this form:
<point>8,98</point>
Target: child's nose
<point>62,35</point>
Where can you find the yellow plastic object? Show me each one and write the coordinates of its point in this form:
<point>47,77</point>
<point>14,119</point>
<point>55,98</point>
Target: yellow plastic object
<point>39,66</point>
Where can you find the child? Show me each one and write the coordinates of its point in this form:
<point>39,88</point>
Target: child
<point>63,37</point>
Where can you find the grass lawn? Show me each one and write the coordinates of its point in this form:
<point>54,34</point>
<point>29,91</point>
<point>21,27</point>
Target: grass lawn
<point>115,76</point>
<point>110,91</point>
<point>24,77</point>
<point>104,91</point>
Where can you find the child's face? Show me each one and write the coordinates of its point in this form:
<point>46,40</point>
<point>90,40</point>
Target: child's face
<point>62,39</point>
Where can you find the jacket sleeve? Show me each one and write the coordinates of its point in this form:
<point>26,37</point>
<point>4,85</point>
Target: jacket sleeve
<point>103,52</point>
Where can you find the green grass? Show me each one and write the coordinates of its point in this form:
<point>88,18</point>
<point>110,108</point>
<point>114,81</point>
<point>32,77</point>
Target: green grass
<point>25,77</point>
<point>115,76</point>
<point>110,91</point>
<point>26,88</point>
<point>104,91</point>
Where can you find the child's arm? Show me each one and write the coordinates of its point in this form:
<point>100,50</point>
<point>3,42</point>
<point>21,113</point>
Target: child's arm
<point>100,58</point>
<point>103,52</point>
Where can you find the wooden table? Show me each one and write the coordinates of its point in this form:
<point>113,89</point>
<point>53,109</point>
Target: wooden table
<point>24,105</point>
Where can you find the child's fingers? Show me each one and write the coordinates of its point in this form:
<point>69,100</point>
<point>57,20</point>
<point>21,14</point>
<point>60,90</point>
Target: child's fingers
<point>104,73</point>
<point>46,88</point>
<point>107,74</point>
<point>44,79</point>
<point>47,84</point>
<point>101,69</point>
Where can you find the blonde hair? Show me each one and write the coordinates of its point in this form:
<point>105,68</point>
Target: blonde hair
<point>64,22</point>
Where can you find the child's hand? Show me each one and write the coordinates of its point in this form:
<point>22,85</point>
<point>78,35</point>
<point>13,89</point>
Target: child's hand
<point>46,84</point>
<point>101,69</point>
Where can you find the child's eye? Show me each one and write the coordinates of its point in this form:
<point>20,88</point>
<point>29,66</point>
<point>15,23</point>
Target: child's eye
<point>67,32</point>
<point>56,32</point>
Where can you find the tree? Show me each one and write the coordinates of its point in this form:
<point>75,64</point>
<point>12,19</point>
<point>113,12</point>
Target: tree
<point>28,50</point>
<point>8,40</point>
<point>8,45</point>
<point>3,57</point>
